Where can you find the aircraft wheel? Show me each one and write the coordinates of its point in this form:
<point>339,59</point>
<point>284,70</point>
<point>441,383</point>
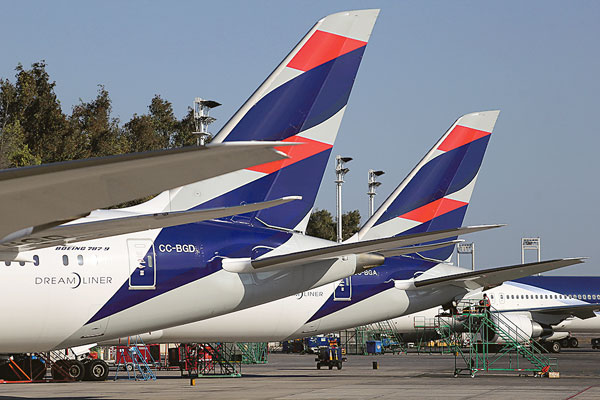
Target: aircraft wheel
<point>555,347</point>
<point>573,342</point>
<point>318,365</point>
<point>564,343</point>
<point>76,369</point>
<point>330,366</point>
<point>96,370</point>
<point>339,365</point>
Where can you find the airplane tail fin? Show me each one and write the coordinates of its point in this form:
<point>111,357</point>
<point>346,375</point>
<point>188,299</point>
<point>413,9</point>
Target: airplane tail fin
<point>303,100</point>
<point>436,193</point>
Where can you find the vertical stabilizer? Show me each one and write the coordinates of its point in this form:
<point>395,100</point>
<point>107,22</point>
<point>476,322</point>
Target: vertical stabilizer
<point>436,193</point>
<point>303,100</point>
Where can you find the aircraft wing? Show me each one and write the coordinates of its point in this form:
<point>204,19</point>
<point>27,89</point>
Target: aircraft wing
<point>49,195</point>
<point>417,249</point>
<point>75,232</point>
<point>583,311</point>
<point>492,277</point>
<point>366,246</point>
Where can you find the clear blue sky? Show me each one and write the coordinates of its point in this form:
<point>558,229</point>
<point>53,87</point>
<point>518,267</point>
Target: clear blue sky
<point>427,63</point>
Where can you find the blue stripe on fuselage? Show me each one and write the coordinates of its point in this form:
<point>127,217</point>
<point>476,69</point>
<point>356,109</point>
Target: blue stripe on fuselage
<point>565,284</point>
<point>175,269</point>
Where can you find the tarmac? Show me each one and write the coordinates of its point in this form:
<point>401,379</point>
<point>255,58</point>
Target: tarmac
<point>295,377</point>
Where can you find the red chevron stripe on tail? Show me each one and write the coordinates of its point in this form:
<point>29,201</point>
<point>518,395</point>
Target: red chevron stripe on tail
<point>323,47</point>
<point>460,136</point>
<point>434,209</point>
<point>308,148</point>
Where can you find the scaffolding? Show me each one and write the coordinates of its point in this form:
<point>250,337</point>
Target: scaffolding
<point>354,341</point>
<point>487,341</point>
<point>254,353</point>
<point>198,360</point>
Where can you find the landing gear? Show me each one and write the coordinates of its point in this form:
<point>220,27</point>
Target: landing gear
<point>553,347</point>
<point>68,370</point>
<point>570,342</point>
<point>573,342</point>
<point>96,370</point>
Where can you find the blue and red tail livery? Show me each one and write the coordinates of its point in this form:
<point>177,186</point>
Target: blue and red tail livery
<point>303,101</point>
<point>435,195</point>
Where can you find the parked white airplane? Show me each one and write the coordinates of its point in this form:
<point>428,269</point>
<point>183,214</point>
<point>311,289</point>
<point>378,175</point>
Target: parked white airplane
<point>549,308</point>
<point>154,275</point>
<point>155,259</point>
<point>434,196</point>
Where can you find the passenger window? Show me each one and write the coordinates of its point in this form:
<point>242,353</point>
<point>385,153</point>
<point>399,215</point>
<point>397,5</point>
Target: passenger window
<point>522,296</point>
<point>36,260</point>
<point>527,296</point>
<point>536,296</point>
<point>512,296</point>
<point>65,260</point>
<point>594,296</point>
<point>80,259</point>
<point>491,296</point>
<point>579,296</point>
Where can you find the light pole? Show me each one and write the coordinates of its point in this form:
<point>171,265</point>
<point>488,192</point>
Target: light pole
<point>373,184</point>
<point>202,119</point>
<point>340,171</point>
<point>466,248</point>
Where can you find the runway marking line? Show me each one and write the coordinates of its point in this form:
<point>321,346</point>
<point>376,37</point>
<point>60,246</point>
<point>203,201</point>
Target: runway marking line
<point>578,393</point>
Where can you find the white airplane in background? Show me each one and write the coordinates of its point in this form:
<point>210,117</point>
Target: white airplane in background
<point>141,273</point>
<point>433,197</point>
<point>547,308</point>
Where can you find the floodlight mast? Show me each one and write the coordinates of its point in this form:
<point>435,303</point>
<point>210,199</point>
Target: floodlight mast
<point>340,171</point>
<point>466,248</point>
<point>202,119</point>
<point>373,184</point>
<point>531,243</point>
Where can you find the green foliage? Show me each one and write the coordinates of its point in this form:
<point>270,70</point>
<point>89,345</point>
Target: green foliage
<point>350,223</point>
<point>96,133</point>
<point>322,224</point>
<point>34,129</point>
<point>13,151</point>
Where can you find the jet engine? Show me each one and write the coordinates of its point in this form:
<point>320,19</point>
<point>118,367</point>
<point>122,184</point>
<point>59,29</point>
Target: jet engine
<point>517,327</point>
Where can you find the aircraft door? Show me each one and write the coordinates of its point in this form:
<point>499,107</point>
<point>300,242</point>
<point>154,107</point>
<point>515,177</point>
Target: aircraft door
<point>343,290</point>
<point>142,264</point>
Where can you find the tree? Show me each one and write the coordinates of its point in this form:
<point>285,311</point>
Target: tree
<point>350,224</point>
<point>13,151</point>
<point>163,121</point>
<point>95,131</point>
<point>322,224</point>
<point>184,135</point>
<point>36,107</point>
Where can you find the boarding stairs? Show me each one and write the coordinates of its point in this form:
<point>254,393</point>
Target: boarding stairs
<point>134,364</point>
<point>487,340</point>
